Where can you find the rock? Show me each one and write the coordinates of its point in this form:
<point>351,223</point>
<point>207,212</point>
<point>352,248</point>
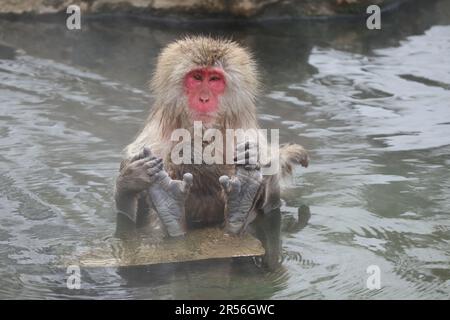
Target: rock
<point>200,244</point>
<point>263,9</point>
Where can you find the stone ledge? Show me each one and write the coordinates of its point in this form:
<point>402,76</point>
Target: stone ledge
<point>199,8</point>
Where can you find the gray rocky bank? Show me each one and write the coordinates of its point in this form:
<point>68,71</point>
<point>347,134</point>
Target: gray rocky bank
<point>199,8</point>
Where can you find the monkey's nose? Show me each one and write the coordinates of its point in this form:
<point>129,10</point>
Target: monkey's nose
<point>204,99</point>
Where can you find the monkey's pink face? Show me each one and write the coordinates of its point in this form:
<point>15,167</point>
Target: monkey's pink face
<point>203,88</point>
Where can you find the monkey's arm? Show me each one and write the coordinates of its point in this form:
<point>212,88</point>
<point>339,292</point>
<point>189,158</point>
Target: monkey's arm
<point>136,175</point>
<point>126,202</point>
<point>144,172</point>
<point>131,214</point>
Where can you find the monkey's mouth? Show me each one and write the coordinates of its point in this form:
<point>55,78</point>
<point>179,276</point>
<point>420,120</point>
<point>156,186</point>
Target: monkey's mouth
<point>207,117</point>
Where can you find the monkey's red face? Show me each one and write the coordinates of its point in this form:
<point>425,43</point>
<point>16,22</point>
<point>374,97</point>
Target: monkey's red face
<point>203,88</point>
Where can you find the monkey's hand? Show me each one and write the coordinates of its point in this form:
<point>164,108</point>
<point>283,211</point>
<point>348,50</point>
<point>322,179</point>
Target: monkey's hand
<point>136,175</point>
<point>240,193</point>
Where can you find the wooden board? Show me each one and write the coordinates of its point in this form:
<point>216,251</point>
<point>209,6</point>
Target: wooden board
<point>201,244</point>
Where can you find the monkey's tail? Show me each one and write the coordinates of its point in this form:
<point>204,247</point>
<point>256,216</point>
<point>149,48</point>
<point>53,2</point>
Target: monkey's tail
<point>291,155</point>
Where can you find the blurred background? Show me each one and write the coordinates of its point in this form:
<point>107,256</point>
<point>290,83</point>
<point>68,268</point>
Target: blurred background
<point>372,106</point>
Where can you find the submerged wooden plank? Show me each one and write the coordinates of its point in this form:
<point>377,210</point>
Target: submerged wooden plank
<point>201,244</point>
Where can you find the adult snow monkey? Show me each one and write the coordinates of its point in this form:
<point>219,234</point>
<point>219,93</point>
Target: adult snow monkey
<point>214,81</point>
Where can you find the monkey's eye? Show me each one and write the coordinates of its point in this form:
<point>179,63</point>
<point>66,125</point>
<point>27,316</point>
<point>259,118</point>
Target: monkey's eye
<point>214,78</point>
<point>197,76</point>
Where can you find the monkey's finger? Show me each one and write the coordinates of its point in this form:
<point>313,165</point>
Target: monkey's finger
<point>181,187</point>
<point>230,185</point>
<point>140,155</point>
<point>135,157</point>
<point>188,181</point>
<point>138,163</point>
<point>152,162</point>
<point>225,183</point>
<point>155,169</point>
<point>144,153</point>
